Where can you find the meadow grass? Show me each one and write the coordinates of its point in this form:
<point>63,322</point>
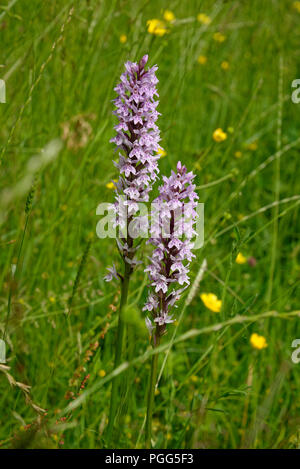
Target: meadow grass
<point>61,61</point>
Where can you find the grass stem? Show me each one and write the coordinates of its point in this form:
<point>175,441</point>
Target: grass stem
<point>14,277</point>
<point>151,393</point>
<point>118,353</point>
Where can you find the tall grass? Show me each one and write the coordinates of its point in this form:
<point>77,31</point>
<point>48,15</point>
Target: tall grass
<point>216,390</point>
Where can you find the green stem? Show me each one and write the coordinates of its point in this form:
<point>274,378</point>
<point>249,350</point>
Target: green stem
<point>225,285</point>
<point>151,393</point>
<point>118,353</point>
<point>14,277</point>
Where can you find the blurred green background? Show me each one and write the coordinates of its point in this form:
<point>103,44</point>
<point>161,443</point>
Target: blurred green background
<point>222,65</point>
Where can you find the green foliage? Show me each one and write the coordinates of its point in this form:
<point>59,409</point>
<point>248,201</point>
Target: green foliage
<point>60,69</point>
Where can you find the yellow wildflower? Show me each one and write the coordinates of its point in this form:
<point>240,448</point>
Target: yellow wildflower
<point>169,16</point>
<point>90,235</point>
<point>211,301</point>
<point>157,27</point>
<point>52,299</point>
<point>102,373</point>
<point>123,38</point>
<point>219,37</point>
<point>203,18</point>
<point>230,130</point>
<point>296,5</point>
<point>202,59</point>
<point>252,146</point>
<point>219,135</point>
<point>225,65</point>
<point>194,378</point>
<point>240,258</point>
<point>258,341</point>
<point>110,185</point>
<point>238,154</point>
<point>161,152</point>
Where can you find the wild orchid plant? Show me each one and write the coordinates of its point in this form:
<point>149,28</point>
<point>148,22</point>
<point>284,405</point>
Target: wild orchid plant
<point>137,141</point>
<point>172,232</point>
<point>172,218</point>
